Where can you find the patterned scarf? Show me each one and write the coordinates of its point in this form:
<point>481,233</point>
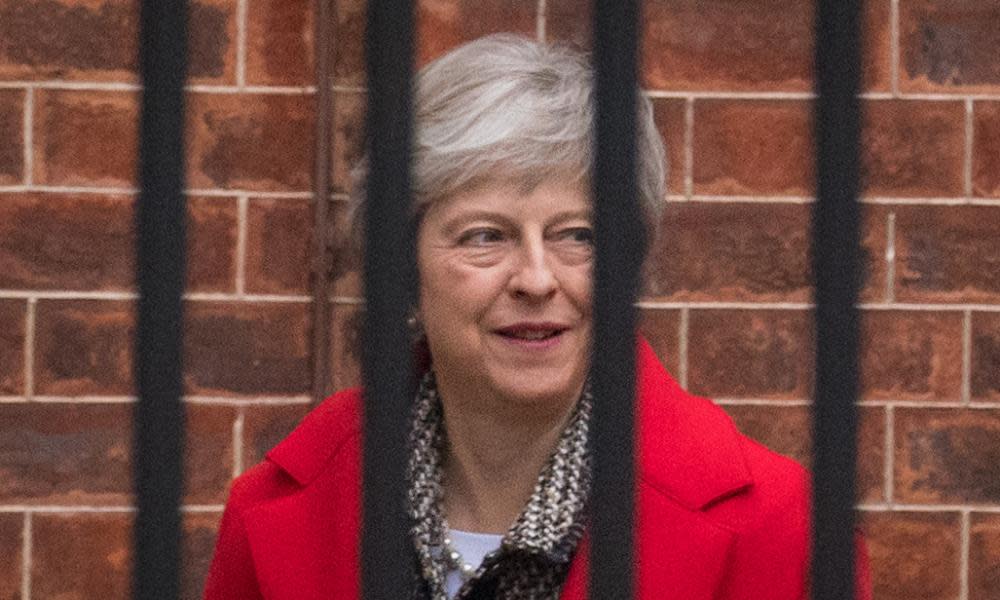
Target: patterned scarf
<point>535,554</point>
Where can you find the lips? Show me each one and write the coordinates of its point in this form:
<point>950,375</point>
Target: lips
<point>531,332</point>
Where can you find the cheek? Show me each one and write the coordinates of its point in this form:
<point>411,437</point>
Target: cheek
<point>579,286</point>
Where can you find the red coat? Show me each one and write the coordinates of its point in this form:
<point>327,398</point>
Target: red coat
<point>719,517</point>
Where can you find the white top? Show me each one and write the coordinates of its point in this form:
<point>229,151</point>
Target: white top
<point>473,547</point>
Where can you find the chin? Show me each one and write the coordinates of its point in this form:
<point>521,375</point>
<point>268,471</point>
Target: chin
<point>530,388</point>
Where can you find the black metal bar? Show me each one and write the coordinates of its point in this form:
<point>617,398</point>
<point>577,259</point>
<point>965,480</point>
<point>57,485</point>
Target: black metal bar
<point>323,11</point>
<point>160,216</point>
<point>835,264</point>
<point>390,278</point>
<point>620,246</point>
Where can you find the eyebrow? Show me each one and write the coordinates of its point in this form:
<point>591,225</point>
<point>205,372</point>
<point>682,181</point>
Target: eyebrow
<point>457,222</point>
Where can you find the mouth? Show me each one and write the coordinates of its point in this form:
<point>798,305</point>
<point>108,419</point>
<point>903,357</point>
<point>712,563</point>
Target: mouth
<point>532,333</point>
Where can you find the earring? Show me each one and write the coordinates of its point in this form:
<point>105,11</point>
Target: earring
<point>414,325</point>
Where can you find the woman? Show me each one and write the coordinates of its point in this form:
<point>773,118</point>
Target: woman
<point>499,469</point>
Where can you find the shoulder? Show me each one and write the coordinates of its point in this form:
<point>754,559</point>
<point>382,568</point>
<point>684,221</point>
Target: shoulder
<point>693,453</point>
<point>320,438</point>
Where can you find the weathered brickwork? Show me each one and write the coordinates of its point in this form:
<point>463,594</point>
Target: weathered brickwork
<point>727,302</point>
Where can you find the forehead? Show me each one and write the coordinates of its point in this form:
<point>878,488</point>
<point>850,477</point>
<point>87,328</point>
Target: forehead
<point>550,197</point>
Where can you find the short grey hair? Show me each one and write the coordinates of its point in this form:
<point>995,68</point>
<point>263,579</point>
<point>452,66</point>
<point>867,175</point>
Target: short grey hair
<point>508,108</point>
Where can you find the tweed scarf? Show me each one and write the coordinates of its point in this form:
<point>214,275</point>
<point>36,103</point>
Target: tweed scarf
<point>535,553</point>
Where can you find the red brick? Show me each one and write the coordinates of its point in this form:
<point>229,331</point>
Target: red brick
<point>280,43</point>
<point>246,348</point>
<point>441,25</point>
<point>984,556</point>
<point>753,147</point>
<point>911,355</point>
<point>279,246</point>
<point>78,556</point>
<point>750,353</point>
<point>914,556</point>
<point>949,46</point>
<point>947,456</point>
<point>12,132</point>
<point>762,45</point>
<point>710,251</point>
<point>212,42</point>
<point>66,242</point>
<point>913,149</point>
<point>345,345</point>
<point>264,426</point>
<point>211,244</point>
<point>11,540</point>
<point>986,150</point>
<point>444,24</point>
<point>787,430</point>
<point>96,40</point>
<point>86,242</point>
<point>985,376</point>
<point>67,453</point>
<point>12,332</point>
<point>208,453</point>
<point>661,328</point>
<point>83,347</point>
<point>257,142</point>
<point>669,116</point>
<point>86,138</point>
<point>948,254</point>
<point>348,137</point>
<point>197,548</point>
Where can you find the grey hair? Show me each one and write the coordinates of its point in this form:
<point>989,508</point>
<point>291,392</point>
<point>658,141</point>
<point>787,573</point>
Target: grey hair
<point>510,109</point>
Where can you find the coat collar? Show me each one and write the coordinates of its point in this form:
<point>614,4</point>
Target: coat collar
<point>689,449</point>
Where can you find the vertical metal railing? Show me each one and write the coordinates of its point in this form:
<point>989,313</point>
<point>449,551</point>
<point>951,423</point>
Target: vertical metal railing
<point>835,264</point>
<point>390,282</point>
<point>620,247</point>
<point>160,216</point>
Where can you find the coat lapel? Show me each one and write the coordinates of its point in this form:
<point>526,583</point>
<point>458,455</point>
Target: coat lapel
<point>690,457</point>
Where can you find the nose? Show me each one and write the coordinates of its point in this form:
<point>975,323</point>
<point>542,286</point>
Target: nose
<point>532,276</point>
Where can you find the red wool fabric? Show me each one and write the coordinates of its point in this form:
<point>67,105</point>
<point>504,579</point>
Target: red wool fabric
<point>719,517</point>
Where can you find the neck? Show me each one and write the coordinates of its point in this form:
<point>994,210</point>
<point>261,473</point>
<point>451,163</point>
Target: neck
<point>495,453</point>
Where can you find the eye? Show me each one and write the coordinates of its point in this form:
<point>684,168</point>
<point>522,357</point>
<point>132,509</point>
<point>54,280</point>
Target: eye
<point>579,235</point>
<point>481,237</point>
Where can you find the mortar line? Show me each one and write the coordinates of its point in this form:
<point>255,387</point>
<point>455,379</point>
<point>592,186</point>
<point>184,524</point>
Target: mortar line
<point>29,135</point>
<point>238,442</point>
<point>241,244</point>
<point>91,509</point>
<point>963,563</point>
<point>926,508</point>
<point>894,47</point>
<point>890,258</point>
<point>274,90</point>
<point>27,547</point>
<point>689,148</point>
<point>29,348</point>
<point>707,94</point>
<point>967,357</point>
<point>970,133</point>
<point>682,346</point>
<point>889,462</point>
<point>540,21</point>
<point>723,401</point>
<point>241,44</point>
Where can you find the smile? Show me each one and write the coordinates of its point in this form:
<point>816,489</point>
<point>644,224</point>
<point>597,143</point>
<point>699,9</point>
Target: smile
<point>532,335</point>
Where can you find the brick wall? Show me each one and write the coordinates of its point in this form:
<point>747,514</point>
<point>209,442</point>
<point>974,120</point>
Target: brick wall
<point>727,304</point>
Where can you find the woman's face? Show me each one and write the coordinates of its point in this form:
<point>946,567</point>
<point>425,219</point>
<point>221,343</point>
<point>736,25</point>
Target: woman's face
<point>505,291</point>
